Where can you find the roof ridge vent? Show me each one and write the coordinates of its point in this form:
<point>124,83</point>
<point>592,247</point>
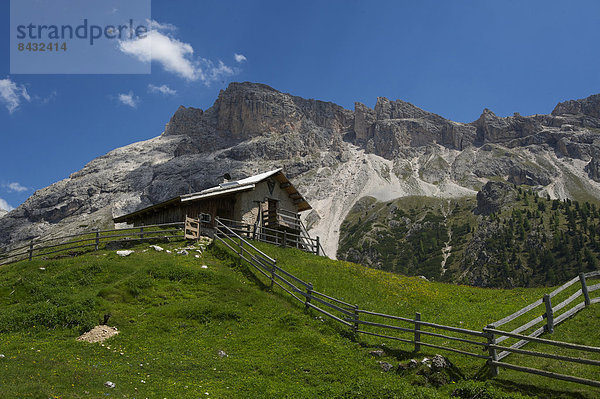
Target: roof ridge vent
<point>229,184</point>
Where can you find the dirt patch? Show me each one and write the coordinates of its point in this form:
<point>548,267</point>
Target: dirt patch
<point>98,334</point>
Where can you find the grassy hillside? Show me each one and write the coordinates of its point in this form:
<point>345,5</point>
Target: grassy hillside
<point>175,316</point>
<point>452,305</point>
<point>530,241</point>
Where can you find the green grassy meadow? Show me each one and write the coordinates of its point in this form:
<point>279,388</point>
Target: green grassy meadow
<point>174,317</point>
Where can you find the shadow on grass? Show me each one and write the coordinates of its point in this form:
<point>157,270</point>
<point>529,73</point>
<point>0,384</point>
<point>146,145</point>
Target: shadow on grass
<point>536,390</point>
<point>236,263</point>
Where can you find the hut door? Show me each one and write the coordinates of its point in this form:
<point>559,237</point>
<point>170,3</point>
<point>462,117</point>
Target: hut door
<point>273,207</point>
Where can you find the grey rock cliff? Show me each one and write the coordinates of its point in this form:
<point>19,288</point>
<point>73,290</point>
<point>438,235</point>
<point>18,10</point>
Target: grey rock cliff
<point>334,155</point>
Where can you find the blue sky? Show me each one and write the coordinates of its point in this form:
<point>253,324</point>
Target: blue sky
<point>453,58</point>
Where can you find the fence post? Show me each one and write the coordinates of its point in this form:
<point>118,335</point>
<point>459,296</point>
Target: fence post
<point>284,238</point>
<point>356,318</point>
<point>241,248</point>
<point>318,245</point>
<point>97,240</point>
<point>417,332</point>
<point>142,232</point>
<point>549,314</point>
<point>584,289</point>
<point>309,291</point>
<point>492,351</point>
<point>31,250</point>
<point>273,265</point>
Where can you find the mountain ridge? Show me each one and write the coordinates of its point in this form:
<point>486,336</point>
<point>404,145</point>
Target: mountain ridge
<point>335,156</point>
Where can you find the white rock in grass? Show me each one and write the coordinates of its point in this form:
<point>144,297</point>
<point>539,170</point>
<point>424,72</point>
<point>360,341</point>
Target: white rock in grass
<point>124,253</point>
<point>182,252</point>
<point>42,268</point>
<point>157,248</point>
<point>167,251</point>
<point>2,356</point>
<point>197,256</point>
<point>385,366</point>
<point>110,384</point>
<point>204,267</point>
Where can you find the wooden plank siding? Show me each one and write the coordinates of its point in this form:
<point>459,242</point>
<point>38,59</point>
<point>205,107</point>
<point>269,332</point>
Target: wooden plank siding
<point>219,206</point>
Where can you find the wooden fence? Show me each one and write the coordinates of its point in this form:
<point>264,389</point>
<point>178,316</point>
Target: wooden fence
<point>94,240</point>
<point>544,323</point>
<point>281,238</point>
<point>416,332</point>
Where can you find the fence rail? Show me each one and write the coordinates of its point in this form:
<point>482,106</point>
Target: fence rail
<point>545,323</point>
<point>281,238</point>
<point>94,239</point>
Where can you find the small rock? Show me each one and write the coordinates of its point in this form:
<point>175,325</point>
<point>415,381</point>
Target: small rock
<point>204,267</point>
<point>197,256</point>
<point>385,366</point>
<point>124,253</point>
<point>440,362</point>
<point>2,356</point>
<point>424,278</point>
<point>413,363</point>
<point>425,360</point>
<point>377,353</point>
<point>142,381</point>
<point>222,354</point>
<point>156,248</point>
<point>167,251</point>
<point>110,384</point>
<point>42,268</point>
<point>183,252</point>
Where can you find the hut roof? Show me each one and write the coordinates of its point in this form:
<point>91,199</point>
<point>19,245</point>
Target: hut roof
<point>227,188</point>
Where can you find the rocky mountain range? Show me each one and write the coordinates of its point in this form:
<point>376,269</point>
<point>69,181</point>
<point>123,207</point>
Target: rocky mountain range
<point>334,155</point>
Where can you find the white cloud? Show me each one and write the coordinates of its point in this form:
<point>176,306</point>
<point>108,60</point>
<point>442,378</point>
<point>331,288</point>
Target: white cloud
<point>164,89</point>
<point>5,206</point>
<point>129,99</point>
<point>11,94</point>
<point>173,55</point>
<point>16,187</point>
<point>239,57</point>
<point>51,97</point>
<point>212,72</point>
<point>155,25</point>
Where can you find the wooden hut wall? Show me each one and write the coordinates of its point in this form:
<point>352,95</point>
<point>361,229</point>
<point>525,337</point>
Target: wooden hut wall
<point>170,214</point>
<point>219,206</point>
